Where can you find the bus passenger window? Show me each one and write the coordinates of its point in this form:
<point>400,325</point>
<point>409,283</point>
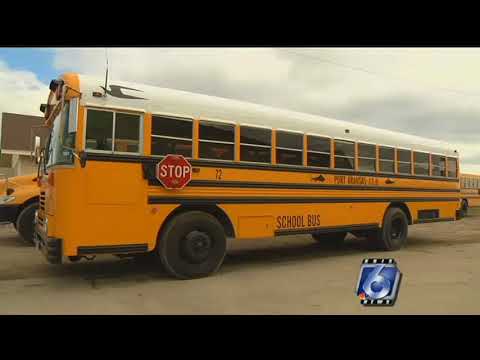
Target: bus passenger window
<point>171,136</point>
<point>255,144</point>
<point>404,161</point>
<point>422,164</point>
<point>318,154</point>
<point>438,165</point>
<point>367,157</point>
<point>387,159</point>
<point>452,167</point>
<point>289,148</point>
<point>344,155</point>
<point>99,130</point>
<point>127,133</point>
<point>216,140</point>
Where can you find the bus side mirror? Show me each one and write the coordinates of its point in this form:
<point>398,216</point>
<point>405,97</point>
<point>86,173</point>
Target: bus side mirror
<point>36,151</point>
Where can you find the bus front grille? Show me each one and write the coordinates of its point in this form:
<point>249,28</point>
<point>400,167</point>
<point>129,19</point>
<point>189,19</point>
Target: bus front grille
<point>42,200</point>
<point>40,220</point>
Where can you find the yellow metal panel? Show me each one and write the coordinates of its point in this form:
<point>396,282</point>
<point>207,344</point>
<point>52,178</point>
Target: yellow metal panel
<point>255,226</point>
<point>355,154</point>
<point>147,132</point>
<point>113,183</point>
<point>196,125</point>
<point>80,139</point>
<point>305,149</point>
<point>237,143</point>
<point>274,146</point>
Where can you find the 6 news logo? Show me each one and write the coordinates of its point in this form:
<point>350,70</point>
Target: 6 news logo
<point>379,282</point>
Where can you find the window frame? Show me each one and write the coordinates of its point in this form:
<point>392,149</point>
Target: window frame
<point>301,150</point>
<point>380,159</point>
<point>397,162</point>
<point>141,127</point>
<point>254,145</point>
<point>213,121</point>
<point>363,157</point>
<point>346,157</point>
<point>457,172</point>
<point>429,163</point>
<point>174,117</point>
<point>434,166</point>
<point>331,139</point>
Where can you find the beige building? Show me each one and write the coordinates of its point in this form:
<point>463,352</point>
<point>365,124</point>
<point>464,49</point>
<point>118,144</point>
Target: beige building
<point>18,141</point>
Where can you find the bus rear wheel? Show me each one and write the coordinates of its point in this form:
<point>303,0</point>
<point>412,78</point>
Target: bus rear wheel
<point>464,209</point>
<point>393,234</point>
<point>192,245</point>
<point>331,238</point>
<point>24,223</point>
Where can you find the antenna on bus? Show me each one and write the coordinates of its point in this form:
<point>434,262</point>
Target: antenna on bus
<point>106,74</point>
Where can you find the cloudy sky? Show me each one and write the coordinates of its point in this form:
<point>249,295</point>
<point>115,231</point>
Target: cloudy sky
<point>428,92</point>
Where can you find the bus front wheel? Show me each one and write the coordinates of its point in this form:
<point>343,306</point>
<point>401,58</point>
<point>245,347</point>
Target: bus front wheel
<point>192,245</point>
<point>393,234</point>
<point>24,223</point>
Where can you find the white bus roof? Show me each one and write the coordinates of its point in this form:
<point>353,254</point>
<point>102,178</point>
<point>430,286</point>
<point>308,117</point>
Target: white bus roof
<point>157,100</point>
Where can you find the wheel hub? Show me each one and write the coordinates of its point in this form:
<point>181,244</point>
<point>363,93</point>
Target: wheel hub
<point>196,247</point>
<point>396,229</point>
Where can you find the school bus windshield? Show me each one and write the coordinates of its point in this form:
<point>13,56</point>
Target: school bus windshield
<point>61,141</point>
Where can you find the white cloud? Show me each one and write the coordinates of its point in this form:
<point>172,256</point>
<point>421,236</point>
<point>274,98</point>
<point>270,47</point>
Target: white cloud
<point>428,92</point>
<point>20,91</point>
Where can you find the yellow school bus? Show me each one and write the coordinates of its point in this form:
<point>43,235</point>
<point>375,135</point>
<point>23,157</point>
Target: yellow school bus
<point>251,171</point>
<point>18,203</point>
<point>470,191</point>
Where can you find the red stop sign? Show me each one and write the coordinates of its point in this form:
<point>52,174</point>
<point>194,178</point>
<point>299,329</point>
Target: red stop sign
<point>174,172</point>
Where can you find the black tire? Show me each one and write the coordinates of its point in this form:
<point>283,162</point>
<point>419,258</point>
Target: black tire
<point>192,245</point>
<point>394,232</point>
<point>464,209</point>
<point>24,223</point>
<point>336,238</point>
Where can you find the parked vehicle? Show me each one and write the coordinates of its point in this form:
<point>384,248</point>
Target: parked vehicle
<point>18,203</point>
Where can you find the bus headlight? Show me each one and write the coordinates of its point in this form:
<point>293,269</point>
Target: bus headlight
<point>6,199</point>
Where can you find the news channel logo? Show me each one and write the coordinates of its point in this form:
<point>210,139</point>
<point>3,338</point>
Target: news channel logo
<point>378,282</point>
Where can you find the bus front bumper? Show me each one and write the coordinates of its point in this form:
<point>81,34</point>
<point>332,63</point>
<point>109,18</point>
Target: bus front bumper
<point>51,248</point>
